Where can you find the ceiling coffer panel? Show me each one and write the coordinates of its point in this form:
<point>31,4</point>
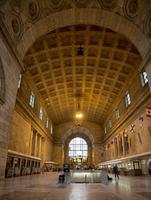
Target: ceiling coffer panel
<point>92,78</point>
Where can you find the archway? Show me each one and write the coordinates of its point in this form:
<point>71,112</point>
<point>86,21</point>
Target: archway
<point>99,17</point>
<point>82,138</point>
<point>94,16</point>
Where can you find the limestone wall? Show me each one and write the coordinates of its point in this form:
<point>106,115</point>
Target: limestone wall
<point>29,134</point>
<point>22,135</point>
<point>139,97</point>
<point>11,72</point>
<point>48,150</point>
<point>57,155</point>
<point>139,138</point>
<point>61,130</point>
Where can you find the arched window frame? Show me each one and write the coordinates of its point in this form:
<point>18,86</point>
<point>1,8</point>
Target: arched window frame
<point>72,153</point>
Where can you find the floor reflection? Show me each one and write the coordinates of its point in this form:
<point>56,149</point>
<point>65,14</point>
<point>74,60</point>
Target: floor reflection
<point>46,187</point>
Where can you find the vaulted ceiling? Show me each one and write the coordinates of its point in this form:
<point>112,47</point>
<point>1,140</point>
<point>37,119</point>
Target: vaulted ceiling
<point>91,81</point>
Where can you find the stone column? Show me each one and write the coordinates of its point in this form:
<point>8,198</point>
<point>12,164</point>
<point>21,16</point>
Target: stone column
<point>42,149</point>
<point>63,154</point>
<point>35,150</point>
<point>31,142</point>
<point>40,145</point>
<point>118,147</point>
<point>129,142</point>
<point>90,150</point>
<point>123,144</point>
<point>115,149</point>
<point>93,154</point>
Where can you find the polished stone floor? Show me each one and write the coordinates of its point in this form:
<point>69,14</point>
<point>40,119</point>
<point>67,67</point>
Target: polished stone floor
<point>46,187</point>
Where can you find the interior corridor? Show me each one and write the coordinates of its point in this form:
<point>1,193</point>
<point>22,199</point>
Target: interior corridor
<point>75,95</point>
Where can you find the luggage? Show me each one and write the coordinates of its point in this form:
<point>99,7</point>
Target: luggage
<point>109,178</point>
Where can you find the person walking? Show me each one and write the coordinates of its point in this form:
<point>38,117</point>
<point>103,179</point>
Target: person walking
<point>116,171</point>
<point>61,177</point>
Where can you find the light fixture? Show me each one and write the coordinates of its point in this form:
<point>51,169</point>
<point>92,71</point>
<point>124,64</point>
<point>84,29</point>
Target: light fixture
<point>79,115</point>
<point>78,118</point>
<point>80,51</point>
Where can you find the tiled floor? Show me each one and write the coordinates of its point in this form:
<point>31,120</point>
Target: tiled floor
<point>46,187</point>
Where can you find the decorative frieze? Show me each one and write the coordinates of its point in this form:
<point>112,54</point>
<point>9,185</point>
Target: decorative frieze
<point>130,8</point>
<point>34,10</point>
<point>16,25</point>
<point>147,23</point>
<point>108,4</point>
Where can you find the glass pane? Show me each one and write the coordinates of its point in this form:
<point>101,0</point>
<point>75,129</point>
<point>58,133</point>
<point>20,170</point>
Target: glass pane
<point>77,147</point>
<point>78,150</point>
<point>85,147</point>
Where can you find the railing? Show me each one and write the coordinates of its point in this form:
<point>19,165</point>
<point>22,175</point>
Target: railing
<point>88,177</point>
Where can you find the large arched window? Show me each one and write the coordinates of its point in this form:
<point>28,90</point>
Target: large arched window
<point>78,150</point>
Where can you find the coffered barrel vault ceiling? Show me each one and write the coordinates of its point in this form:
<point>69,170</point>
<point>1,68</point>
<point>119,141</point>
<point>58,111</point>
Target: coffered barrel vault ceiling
<point>93,80</point>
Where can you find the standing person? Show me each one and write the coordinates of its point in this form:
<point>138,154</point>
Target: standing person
<point>116,171</point>
<point>43,169</point>
<point>61,177</point>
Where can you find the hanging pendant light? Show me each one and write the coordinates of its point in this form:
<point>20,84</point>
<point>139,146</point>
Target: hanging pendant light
<point>78,113</point>
<point>80,51</point>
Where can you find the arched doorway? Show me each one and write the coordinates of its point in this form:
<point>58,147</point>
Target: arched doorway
<point>78,147</point>
<point>78,152</point>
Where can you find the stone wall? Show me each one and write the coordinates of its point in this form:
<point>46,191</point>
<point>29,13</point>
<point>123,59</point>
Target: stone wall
<point>22,135</point>
<point>11,72</point>
<point>57,155</point>
<point>48,150</point>
<point>61,131</point>
<point>139,96</point>
<point>29,134</point>
<point>130,118</point>
<point>138,132</point>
